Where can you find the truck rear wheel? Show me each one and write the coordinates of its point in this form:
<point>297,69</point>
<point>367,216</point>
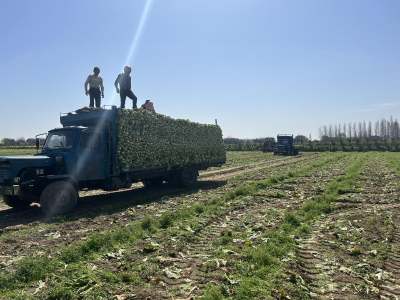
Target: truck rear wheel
<point>15,201</point>
<point>188,177</point>
<point>58,198</point>
<point>153,182</point>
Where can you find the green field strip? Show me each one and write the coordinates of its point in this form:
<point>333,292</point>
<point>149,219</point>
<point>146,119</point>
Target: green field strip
<point>247,162</point>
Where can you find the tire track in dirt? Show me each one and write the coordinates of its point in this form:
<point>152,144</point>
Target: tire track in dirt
<point>258,164</point>
<point>353,253</point>
<point>221,174</point>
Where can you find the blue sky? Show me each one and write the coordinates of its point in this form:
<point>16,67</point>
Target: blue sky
<point>260,67</point>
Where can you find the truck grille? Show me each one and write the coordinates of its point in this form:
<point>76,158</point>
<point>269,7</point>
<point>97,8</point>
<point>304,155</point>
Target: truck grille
<point>1,176</point>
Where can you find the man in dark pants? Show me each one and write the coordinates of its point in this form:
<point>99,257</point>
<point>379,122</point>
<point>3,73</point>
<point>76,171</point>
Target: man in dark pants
<point>95,83</point>
<point>124,81</point>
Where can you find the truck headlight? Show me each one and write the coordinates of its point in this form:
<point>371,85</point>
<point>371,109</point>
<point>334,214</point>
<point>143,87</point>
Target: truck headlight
<point>16,180</point>
<point>39,171</point>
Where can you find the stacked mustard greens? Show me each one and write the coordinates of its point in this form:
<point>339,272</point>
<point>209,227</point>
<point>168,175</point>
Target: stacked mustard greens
<point>146,138</point>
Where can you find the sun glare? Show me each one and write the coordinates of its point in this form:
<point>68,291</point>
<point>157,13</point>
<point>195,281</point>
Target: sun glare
<point>132,49</point>
<point>128,60</point>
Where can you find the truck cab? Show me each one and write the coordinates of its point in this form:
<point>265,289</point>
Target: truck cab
<point>81,152</point>
<point>73,157</point>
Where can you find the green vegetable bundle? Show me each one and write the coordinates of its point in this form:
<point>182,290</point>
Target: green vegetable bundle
<point>151,139</point>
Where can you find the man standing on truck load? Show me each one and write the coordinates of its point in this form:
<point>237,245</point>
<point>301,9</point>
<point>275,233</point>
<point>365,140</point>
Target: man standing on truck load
<point>148,105</point>
<point>95,83</point>
<point>124,81</point>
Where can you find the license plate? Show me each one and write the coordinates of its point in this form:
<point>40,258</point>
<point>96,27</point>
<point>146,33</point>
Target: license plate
<point>17,190</point>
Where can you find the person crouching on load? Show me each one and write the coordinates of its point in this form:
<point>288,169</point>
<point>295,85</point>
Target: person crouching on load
<point>148,105</point>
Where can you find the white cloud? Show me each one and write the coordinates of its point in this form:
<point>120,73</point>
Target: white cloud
<point>360,110</point>
<point>388,104</point>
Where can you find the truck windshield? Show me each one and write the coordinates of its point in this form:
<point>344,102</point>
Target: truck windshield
<point>63,139</point>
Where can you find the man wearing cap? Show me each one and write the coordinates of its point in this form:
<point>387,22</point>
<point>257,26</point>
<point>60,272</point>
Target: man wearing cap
<point>124,90</point>
<point>95,83</point>
<point>148,105</point>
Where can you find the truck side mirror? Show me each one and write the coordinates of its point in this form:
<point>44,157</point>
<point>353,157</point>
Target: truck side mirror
<point>37,143</point>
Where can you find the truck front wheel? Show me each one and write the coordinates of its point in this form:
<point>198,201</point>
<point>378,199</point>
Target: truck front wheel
<point>188,177</point>
<point>58,198</point>
<point>15,202</point>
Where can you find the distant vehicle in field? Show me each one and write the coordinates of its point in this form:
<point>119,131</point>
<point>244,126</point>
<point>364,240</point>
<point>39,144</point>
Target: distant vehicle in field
<point>269,145</point>
<point>285,145</point>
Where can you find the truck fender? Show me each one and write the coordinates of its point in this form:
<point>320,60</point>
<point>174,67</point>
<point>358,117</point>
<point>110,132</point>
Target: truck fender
<point>67,178</point>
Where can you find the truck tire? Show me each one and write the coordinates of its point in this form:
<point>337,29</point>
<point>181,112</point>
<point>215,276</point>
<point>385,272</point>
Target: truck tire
<point>110,184</point>
<point>153,182</point>
<point>58,198</point>
<point>15,201</point>
<point>188,177</point>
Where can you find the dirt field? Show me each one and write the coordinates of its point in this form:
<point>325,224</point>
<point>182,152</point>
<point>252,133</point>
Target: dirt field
<point>314,226</point>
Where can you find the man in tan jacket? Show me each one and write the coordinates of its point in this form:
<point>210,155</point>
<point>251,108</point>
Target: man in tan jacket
<point>95,84</point>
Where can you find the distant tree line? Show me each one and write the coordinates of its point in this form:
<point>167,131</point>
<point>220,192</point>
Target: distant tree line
<point>348,145</point>
<point>235,144</point>
<point>379,130</point>
<point>247,146</point>
<point>233,141</point>
<point>382,135</point>
<point>20,142</point>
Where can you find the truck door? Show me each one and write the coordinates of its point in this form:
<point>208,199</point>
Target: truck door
<point>91,156</point>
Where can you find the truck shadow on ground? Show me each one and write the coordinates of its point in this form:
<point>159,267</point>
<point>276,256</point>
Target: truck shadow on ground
<point>96,205</point>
